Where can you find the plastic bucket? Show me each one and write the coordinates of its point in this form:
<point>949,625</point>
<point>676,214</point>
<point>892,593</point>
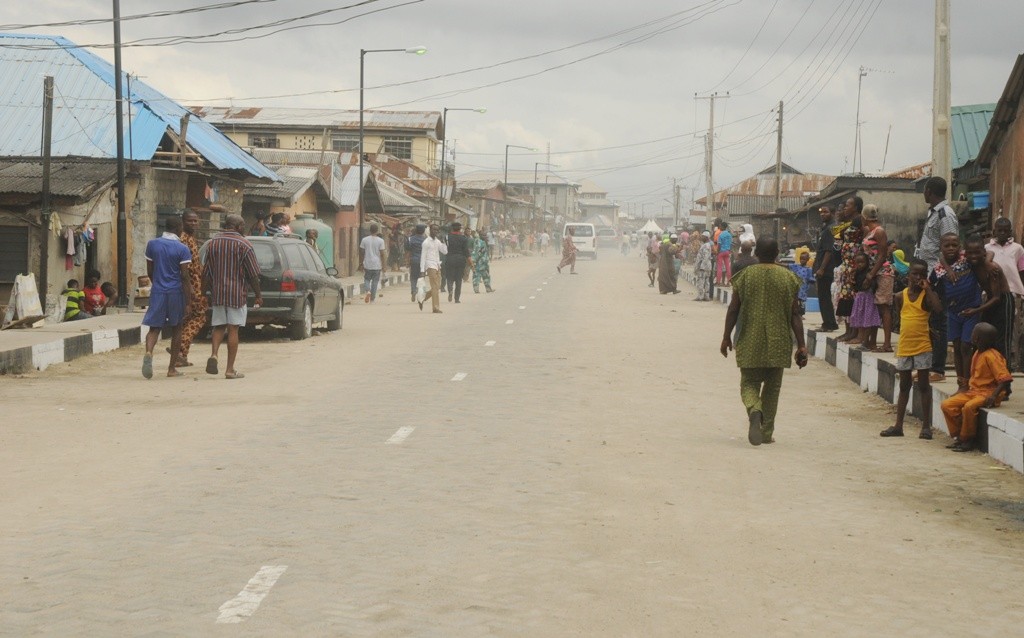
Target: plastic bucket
<point>979,199</point>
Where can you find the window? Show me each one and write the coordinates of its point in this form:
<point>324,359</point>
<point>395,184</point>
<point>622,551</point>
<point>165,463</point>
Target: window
<point>265,257</point>
<point>313,261</point>
<point>263,140</point>
<point>400,147</point>
<point>345,143</point>
<point>554,190</point>
<point>293,253</point>
<point>13,252</point>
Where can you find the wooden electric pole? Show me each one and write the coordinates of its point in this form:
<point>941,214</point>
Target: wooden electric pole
<point>44,246</point>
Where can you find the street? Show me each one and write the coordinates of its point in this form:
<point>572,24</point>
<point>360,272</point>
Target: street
<point>564,457</point>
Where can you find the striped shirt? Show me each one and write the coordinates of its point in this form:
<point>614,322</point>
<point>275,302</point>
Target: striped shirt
<point>229,263</point>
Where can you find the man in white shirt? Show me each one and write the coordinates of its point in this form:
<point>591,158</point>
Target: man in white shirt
<point>430,263</point>
<point>371,261</point>
<point>545,239</point>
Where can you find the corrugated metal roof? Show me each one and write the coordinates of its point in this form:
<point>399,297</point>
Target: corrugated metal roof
<point>515,178</point>
<point>916,171</point>
<point>969,126</point>
<point>283,156</point>
<point>259,116</point>
<point>1005,113</point>
<point>83,121</point>
<point>391,198</point>
<point>79,179</point>
<point>296,180</point>
<point>794,184</point>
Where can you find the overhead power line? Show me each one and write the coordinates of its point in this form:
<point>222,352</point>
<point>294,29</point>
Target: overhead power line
<point>138,16</point>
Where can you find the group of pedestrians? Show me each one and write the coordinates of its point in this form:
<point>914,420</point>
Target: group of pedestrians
<point>445,261</point>
<point>185,286</point>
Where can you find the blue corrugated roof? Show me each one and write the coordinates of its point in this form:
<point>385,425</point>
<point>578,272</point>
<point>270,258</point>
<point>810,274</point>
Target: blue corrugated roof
<point>83,119</point>
<point>969,126</point>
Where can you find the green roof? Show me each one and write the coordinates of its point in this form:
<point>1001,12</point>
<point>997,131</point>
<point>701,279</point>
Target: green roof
<point>969,126</point>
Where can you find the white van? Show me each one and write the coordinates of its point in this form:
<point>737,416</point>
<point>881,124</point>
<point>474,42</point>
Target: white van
<point>585,238</point>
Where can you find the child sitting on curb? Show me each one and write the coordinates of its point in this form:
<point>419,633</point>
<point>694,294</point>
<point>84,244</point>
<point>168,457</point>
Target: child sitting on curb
<point>990,384</point>
<point>914,351</point>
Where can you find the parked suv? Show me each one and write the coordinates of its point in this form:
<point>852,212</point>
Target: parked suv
<point>298,290</point>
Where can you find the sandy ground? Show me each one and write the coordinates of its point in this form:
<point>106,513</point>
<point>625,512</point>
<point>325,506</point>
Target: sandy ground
<point>589,476</point>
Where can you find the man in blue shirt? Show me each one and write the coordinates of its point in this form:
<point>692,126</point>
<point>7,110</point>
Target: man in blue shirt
<point>723,266</point>
<point>167,260</point>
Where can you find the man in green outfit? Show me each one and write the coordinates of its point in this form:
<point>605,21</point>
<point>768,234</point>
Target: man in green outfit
<point>764,303</point>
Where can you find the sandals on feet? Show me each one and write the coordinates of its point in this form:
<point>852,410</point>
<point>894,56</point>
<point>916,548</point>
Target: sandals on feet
<point>892,430</point>
<point>926,433</point>
<point>211,365</point>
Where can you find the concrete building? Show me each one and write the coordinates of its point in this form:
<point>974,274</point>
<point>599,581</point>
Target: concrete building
<point>593,201</point>
<point>555,198</point>
<point>756,195</point>
<point>412,136</point>
<point>174,161</point>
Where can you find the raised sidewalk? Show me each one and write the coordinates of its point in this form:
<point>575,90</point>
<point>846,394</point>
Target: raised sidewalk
<point>26,349</point>
<point>1000,430</point>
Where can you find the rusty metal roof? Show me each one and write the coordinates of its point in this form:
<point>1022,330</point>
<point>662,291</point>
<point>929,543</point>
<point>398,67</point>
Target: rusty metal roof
<point>1004,115</point>
<point>917,171</point>
<point>68,178</point>
<point>282,117</point>
<point>794,184</point>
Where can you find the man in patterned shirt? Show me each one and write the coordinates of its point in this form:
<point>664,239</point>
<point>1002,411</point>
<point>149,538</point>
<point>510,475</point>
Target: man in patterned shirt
<point>765,305</point>
<point>230,264</point>
<point>940,220</point>
<point>196,318</point>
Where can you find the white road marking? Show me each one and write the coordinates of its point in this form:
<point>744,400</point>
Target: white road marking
<point>533,297</point>
<point>522,307</point>
<point>248,600</point>
<point>510,322</point>
<point>459,376</point>
<point>401,435</point>
<point>545,283</point>
<point>490,343</point>
<point>539,289</point>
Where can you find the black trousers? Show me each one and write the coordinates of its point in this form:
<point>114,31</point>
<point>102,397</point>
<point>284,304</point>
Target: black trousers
<point>828,311</point>
<point>454,272</point>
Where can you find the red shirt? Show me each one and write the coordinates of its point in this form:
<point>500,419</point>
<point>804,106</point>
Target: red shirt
<point>94,299</point>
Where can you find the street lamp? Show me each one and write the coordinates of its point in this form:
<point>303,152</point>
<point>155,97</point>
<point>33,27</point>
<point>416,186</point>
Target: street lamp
<point>508,146</point>
<point>420,50</point>
<point>444,146</point>
<point>535,165</point>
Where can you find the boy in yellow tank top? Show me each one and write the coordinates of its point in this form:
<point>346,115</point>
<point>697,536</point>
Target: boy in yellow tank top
<point>914,351</point>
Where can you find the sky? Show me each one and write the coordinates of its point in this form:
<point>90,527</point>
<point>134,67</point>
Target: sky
<point>609,87</point>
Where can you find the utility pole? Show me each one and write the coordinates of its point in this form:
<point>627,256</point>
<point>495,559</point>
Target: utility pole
<point>675,199</point>
<point>44,248</point>
<point>856,135</point>
<point>942,145</point>
<point>709,172</point>
<point>122,217</point>
<point>778,174</point>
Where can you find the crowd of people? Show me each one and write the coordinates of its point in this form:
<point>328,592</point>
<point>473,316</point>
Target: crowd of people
<point>963,293</point>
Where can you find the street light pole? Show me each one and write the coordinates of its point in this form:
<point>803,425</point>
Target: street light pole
<point>535,165</point>
<point>444,145</point>
<point>420,50</point>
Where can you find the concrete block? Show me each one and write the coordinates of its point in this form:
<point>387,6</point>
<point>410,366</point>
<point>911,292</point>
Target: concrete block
<point>128,337</point>
<point>842,358</point>
<point>16,361</point>
<point>853,365</point>
<point>105,341</point>
<point>888,380</point>
<point>77,346</point>
<point>45,355</point>
<point>869,373</point>
<point>1006,449</point>
<point>830,351</point>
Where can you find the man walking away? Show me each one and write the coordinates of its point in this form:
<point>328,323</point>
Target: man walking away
<point>372,253</point>
<point>482,263</point>
<point>723,263</point>
<point>545,239</point>
<point>569,251</point>
<point>940,220</point>
<point>413,250</point>
<point>230,264</point>
<point>764,301</point>
<point>455,263</point>
<point>430,263</point>
<point>826,258</point>
<point>703,268</point>
<point>196,317</point>
<point>167,261</point>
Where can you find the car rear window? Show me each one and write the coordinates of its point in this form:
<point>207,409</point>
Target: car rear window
<point>581,231</point>
<point>606,232</point>
<point>266,257</point>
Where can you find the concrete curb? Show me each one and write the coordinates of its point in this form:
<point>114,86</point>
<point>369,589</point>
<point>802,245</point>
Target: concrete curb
<point>1000,435</point>
<point>42,355</point>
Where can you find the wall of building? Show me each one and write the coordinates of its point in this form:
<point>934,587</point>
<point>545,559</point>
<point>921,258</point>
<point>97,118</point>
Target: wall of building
<point>306,203</point>
<point>1006,181</point>
<point>425,149</point>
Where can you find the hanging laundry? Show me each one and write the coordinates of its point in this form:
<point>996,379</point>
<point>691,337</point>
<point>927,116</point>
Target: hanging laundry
<point>69,250</point>
<point>80,250</point>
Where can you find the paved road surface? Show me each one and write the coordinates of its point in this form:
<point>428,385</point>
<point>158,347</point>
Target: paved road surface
<point>587,474</point>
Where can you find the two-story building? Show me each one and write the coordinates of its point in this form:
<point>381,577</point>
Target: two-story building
<point>413,136</point>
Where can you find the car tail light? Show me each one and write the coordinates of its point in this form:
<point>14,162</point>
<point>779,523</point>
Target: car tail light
<point>287,281</point>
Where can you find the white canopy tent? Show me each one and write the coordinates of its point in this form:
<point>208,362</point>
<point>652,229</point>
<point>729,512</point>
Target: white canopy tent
<point>650,227</point>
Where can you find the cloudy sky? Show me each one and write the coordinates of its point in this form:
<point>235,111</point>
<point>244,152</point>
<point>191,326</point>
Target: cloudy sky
<point>609,86</point>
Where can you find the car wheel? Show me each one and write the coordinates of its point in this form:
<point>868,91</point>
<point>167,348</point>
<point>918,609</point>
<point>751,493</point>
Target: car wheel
<point>303,329</point>
<point>335,324</point>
